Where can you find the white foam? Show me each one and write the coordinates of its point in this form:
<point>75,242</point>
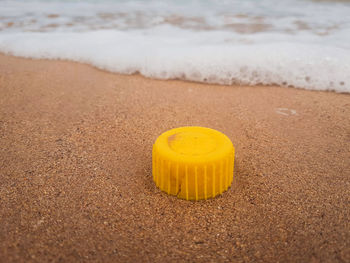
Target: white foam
<point>180,50</point>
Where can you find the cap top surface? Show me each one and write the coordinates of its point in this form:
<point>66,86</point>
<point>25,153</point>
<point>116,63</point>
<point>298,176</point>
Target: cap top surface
<point>191,143</point>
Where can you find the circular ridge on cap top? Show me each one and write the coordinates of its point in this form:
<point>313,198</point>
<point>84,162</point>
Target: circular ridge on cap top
<point>193,163</point>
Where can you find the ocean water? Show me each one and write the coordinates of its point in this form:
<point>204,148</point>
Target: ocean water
<point>298,43</point>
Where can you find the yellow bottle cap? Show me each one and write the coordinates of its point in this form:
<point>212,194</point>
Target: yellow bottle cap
<point>193,163</point>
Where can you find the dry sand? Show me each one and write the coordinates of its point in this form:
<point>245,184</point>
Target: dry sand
<point>76,183</point>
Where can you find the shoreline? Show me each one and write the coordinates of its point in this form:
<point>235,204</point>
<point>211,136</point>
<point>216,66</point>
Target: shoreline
<point>238,84</point>
<point>76,183</point>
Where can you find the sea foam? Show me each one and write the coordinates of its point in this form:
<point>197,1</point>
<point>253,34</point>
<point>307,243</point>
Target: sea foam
<point>245,46</point>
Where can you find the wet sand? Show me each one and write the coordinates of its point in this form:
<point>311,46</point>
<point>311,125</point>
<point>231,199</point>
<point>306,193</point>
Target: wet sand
<point>76,182</point>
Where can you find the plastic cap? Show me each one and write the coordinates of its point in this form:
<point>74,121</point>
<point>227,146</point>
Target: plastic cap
<point>193,163</point>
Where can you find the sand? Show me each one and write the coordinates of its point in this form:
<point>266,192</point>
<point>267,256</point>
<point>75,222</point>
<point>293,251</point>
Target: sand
<point>76,183</point>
